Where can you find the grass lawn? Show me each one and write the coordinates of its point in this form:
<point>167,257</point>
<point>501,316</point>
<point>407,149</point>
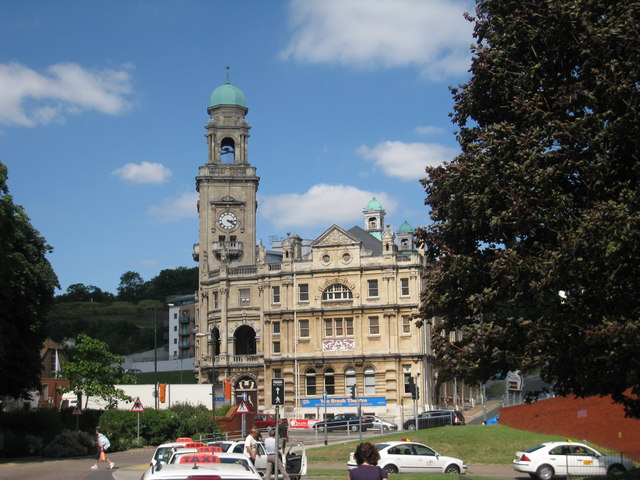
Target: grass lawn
<point>481,444</point>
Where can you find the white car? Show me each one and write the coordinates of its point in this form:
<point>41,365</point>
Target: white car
<point>200,467</point>
<point>562,459</point>
<point>411,457</point>
<point>164,451</point>
<point>381,424</point>
<point>296,463</point>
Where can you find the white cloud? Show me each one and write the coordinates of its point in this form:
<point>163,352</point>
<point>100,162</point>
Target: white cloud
<point>145,172</point>
<point>426,130</point>
<point>174,209</point>
<point>407,161</point>
<point>430,34</point>
<point>29,98</point>
<point>322,205</point>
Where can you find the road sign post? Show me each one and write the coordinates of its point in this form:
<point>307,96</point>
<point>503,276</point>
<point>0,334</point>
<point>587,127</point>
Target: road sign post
<point>325,401</point>
<point>138,408</point>
<point>277,400</point>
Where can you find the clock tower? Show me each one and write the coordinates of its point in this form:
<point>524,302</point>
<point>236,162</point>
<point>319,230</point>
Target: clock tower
<point>227,186</point>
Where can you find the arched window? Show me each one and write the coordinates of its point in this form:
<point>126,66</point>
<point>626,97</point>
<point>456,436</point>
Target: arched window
<point>337,291</point>
<point>369,381</point>
<point>227,150</point>
<point>349,379</point>
<point>329,381</point>
<point>244,341</point>
<point>311,381</point>
<point>215,341</point>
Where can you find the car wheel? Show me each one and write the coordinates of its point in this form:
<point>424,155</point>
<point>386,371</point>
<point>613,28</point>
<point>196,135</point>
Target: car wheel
<point>390,469</point>
<point>354,428</point>
<point>452,469</point>
<point>411,426</point>
<point>545,472</point>
<point>616,468</point>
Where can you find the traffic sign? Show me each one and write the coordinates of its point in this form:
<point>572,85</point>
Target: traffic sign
<point>242,408</point>
<point>137,406</point>
<point>277,391</point>
<point>77,410</point>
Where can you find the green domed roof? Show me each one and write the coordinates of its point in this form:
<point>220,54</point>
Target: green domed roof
<point>228,94</point>
<point>373,205</point>
<point>405,228</point>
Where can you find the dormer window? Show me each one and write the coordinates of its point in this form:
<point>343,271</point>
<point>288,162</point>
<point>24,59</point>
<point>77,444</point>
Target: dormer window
<point>337,291</point>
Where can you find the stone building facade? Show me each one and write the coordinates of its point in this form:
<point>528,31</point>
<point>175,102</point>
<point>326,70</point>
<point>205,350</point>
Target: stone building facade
<point>322,314</point>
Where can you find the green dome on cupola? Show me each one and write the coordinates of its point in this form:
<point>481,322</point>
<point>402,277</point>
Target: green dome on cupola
<point>373,205</point>
<point>405,228</point>
<point>228,94</point>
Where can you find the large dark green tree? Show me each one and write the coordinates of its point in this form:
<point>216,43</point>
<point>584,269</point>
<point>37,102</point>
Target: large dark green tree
<point>535,240</point>
<point>27,283</point>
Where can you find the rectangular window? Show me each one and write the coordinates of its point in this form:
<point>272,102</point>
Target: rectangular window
<point>215,299</point>
<point>328,328</point>
<point>404,287</point>
<point>276,347</point>
<point>339,329</point>
<point>304,328</point>
<point>373,288</point>
<point>277,373</point>
<point>374,326</point>
<point>348,327</point>
<point>406,325</point>
<point>303,292</point>
<point>175,340</point>
<point>175,328</point>
<point>275,294</point>
<point>276,328</point>
<point>245,296</point>
<point>406,373</point>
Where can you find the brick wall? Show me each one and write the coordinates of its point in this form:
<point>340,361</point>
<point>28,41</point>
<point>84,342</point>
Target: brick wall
<point>595,419</point>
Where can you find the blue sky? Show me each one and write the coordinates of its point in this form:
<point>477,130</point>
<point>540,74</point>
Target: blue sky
<point>103,107</point>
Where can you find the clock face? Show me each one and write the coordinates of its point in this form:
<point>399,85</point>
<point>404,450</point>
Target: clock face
<point>228,220</point>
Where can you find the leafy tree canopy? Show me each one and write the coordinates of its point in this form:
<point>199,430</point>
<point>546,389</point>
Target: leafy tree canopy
<point>85,293</point>
<point>535,240</point>
<point>94,371</point>
<point>27,283</point>
<point>132,287</point>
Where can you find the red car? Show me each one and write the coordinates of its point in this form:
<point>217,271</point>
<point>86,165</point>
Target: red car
<point>263,422</point>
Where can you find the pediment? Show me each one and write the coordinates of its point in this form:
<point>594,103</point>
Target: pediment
<point>227,200</point>
<point>334,237</point>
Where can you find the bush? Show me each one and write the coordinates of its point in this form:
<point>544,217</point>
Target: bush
<point>70,444</point>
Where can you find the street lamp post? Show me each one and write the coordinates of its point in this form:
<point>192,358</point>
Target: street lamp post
<point>155,355</point>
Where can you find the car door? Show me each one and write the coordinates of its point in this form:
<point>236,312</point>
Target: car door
<point>425,459</point>
<point>558,459</point>
<point>261,458</point>
<point>582,462</point>
<point>402,457</point>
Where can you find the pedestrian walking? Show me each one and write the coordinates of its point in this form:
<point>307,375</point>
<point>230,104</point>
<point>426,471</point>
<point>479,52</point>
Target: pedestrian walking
<point>283,432</point>
<point>101,453</point>
<point>273,457</point>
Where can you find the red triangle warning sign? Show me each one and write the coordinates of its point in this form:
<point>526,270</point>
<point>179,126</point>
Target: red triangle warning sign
<point>77,410</point>
<point>242,408</point>
<point>137,406</point>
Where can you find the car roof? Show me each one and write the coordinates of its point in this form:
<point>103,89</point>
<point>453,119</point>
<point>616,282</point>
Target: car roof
<point>225,470</point>
<point>394,443</point>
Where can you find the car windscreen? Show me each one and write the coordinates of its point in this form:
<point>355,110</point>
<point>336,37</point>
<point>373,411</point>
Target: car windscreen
<point>380,446</point>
